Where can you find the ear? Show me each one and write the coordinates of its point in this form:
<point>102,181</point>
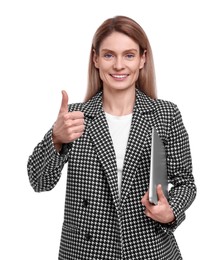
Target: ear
<point>143,60</point>
<point>95,59</point>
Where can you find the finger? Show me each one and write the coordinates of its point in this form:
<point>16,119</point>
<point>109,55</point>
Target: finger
<point>160,193</point>
<point>76,115</point>
<point>77,129</point>
<point>73,136</point>
<point>145,200</point>
<point>78,122</point>
<point>64,103</point>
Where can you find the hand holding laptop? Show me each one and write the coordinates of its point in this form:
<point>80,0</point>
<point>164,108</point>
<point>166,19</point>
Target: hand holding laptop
<point>155,201</point>
<point>161,212</point>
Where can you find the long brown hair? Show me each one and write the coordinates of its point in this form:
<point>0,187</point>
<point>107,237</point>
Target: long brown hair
<point>127,26</point>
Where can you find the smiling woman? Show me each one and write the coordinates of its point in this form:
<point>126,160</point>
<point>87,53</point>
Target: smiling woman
<point>133,43</point>
<point>106,142</point>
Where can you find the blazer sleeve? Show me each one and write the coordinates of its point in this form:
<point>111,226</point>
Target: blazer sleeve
<point>45,164</point>
<point>179,167</point>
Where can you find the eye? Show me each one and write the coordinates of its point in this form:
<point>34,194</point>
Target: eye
<point>108,55</point>
<point>130,56</point>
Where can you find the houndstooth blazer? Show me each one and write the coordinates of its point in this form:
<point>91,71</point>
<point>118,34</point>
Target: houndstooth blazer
<point>97,225</point>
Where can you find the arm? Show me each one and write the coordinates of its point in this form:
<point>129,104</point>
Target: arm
<point>49,156</point>
<point>45,165</point>
<point>170,213</point>
<point>179,168</point>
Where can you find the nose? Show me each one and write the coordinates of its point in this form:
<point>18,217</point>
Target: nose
<point>118,63</point>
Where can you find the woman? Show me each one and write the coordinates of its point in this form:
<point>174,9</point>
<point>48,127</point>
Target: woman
<point>106,141</point>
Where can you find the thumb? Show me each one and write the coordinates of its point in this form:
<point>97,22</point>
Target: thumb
<point>160,193</point>
<point>64,103</point>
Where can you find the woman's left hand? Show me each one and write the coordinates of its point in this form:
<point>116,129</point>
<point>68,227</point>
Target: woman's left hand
<point>162,212</point>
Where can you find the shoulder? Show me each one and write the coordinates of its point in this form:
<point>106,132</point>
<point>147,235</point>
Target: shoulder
<point>165,106</point>
<point>169,115</point>
<point>159,106</point>
<point>167,112</point>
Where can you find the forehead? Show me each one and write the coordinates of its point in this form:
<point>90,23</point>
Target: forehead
<point>117,41</point>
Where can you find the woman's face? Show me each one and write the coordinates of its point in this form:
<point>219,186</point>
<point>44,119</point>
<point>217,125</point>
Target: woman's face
<point>119,61</point>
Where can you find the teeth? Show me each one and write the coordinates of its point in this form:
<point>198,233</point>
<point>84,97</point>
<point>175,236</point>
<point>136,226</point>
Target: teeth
<point>119,76</point>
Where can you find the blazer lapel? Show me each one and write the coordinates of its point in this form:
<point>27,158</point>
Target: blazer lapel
<point>99,132</point>
<point>140,135</point>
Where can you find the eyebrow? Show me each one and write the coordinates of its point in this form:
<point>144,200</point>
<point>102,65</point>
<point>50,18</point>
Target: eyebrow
<point>130,50</point>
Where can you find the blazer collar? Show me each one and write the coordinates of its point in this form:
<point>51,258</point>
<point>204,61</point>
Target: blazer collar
<point>143,104</point>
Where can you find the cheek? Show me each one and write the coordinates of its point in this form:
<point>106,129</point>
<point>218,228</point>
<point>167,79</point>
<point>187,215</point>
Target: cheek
<point>136,67</point>
<point>103,75</point>
<point>103,70</point>
<point>104,67</point>
<point>136,70</point>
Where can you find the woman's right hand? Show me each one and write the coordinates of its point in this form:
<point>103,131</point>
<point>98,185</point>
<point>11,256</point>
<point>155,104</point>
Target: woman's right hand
<point>69,126</point>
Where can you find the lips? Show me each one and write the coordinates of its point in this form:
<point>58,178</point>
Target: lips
<point>119,76</point>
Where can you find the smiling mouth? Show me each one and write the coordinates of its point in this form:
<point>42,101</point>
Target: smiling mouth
<point>119,76</point>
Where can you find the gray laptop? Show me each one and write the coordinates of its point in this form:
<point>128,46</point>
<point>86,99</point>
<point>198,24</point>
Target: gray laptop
<point>158,168</point>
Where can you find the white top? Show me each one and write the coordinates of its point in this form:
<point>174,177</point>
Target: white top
<point>119,127</point>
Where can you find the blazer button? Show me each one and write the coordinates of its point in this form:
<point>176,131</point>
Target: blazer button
<point>88,237</point>
<point>85,203</point>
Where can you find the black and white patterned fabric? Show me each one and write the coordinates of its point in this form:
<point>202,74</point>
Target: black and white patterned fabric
<point>96,224</point>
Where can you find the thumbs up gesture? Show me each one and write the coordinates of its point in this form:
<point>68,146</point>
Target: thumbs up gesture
<point>69,125</point>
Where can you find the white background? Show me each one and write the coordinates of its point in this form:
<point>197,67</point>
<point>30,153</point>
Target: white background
<point>44,48</point>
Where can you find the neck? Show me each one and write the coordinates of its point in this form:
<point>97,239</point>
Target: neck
<point>119,102</point>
